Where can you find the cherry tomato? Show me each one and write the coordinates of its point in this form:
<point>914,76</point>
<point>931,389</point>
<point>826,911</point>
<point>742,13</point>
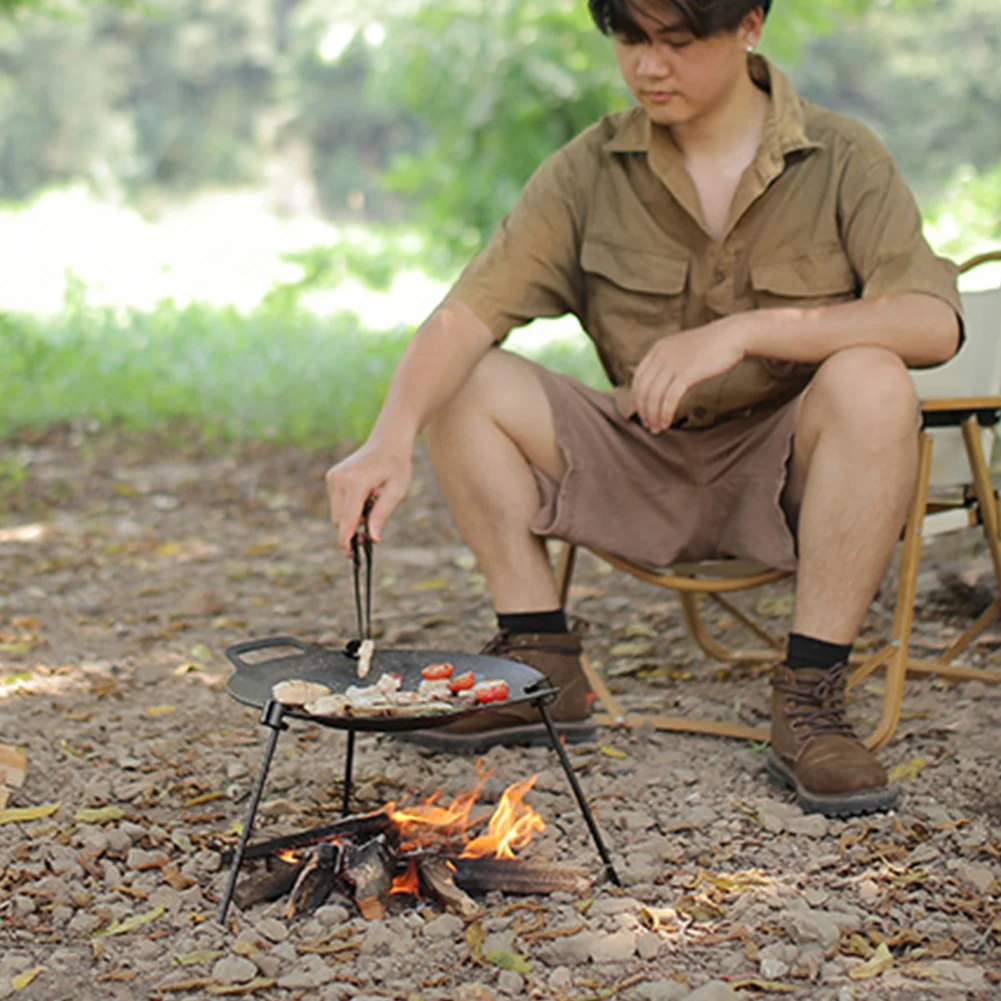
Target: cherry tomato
<point>462,682</point>
<point>491,691</point>
<point>437,672</point>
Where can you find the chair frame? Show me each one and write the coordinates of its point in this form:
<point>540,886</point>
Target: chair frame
<point>978,506</point>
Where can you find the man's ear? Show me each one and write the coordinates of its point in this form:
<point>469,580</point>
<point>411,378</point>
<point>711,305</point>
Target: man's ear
<point>749,32</point>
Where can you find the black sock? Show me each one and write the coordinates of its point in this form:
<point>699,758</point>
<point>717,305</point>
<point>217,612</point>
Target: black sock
<point>805,651</point>
<point>533,622</point>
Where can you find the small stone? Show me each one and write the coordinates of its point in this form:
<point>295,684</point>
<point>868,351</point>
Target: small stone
<point>332,915</point>
<point>311,971</point>
<point>661,990</point>
<point>136,832</point>
<point>560,979</point>
<point>118,841</point>
<point>571,951</point>
<point>273,929</point>
<point>978,876</point>
<point>868,890</point>
<point>615,948</point>
<point>773,969</point>
<point>234,970</point>
<point>510,983</point>
<point>474,992</point>
<point>84,923</point>
<point>813,825</point>
<point>378,938</point>
<point>648,945</point>
<point>715,990</point>
<point>970,977</point>
<point>443,926</point>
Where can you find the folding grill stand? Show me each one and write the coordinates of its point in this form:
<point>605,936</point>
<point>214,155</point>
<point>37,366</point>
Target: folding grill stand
<point>273,717</point>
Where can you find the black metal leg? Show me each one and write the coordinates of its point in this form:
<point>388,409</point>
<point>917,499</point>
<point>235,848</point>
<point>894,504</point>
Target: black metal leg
<point>349,764</point>
<point>271,717</point>
<point>554,738</point>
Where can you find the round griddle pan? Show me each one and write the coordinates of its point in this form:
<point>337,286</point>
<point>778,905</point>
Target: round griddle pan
<point>252,682</point>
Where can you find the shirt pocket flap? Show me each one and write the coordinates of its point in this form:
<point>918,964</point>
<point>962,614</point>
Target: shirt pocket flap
<point>827,273</point>
<point>634,269</point>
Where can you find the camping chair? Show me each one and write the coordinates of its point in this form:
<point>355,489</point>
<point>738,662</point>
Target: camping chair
<point>961,408</point>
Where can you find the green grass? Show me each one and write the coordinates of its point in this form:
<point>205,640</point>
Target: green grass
<point>279,373</point>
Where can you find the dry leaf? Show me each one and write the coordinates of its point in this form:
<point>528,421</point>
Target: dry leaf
<point>765,986</point>
<point>234,990</point>
<point>160,710</point>
<point>612,752</point>
<point>191,984</point>
<point>197,958</point>
<point>23,979</point>
<point>881,961</point>
<point>778,607</point>
<point>475,937</point>
<point>102,686</point>
<point>4,796</point>
<point>99,816</point>
<point>430,584</point>
<point>907,770</point>
<point>205,797</point>
<point>508,961</point>
<point>27,813</point>
<point>131,924</point>
<point>120,976</point>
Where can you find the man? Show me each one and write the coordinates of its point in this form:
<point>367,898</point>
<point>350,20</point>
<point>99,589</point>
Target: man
<point>752,272</point>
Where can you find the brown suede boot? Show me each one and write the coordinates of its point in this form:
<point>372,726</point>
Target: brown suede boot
<point>557,656</point>
<point>814,750</point>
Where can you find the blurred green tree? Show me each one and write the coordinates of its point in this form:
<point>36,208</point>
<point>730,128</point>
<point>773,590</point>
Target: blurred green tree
<point>500,84</point>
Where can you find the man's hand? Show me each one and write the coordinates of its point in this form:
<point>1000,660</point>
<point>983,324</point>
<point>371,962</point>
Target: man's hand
<point>372,471</point>
<point>679,361</point>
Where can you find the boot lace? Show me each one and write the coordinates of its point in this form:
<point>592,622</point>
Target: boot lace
<point>816,705</point>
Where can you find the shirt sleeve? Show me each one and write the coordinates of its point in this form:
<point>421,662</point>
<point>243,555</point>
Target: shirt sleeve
<point>530,268</point>
<point>881,231</point>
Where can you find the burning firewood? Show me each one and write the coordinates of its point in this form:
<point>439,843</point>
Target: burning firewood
<point>316,879</point>
<point>481,875</point>
<point>269,886</point>
<point>438,879</point>
<point>367,867</point>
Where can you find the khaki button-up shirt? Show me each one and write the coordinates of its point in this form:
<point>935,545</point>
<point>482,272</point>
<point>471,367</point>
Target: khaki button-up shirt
<point>611,229</point>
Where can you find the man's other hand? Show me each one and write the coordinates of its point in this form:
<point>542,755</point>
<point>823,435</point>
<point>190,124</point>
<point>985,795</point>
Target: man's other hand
<point>372,471</point>
<point>679,361</point>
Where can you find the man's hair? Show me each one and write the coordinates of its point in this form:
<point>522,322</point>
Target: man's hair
<point>702,18</point>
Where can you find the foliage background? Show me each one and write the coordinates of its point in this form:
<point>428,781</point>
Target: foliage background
<point>389,140</point>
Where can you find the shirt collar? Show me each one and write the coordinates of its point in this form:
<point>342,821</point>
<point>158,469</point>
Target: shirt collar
<point>785,128</point>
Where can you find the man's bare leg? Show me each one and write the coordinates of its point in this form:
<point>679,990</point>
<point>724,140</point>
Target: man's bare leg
<point>482,447</point>
<point>853,472</point>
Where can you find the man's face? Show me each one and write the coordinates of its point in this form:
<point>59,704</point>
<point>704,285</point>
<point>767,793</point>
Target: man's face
<point>675,76</point>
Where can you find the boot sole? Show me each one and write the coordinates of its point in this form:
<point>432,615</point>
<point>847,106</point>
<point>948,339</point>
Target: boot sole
<point>529,735</point>
<point>848,804</point>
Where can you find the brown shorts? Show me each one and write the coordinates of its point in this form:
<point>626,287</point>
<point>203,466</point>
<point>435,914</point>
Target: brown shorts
<point>681,496</point>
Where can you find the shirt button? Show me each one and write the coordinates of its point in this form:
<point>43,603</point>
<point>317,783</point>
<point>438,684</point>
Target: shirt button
<point>720,276</point>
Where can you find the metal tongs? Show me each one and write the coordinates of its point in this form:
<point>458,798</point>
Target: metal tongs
<point>361,542</point>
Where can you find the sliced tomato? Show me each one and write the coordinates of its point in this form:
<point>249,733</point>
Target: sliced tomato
<point>437,672</point>
<point>491,691</point>
<point>462,682</point>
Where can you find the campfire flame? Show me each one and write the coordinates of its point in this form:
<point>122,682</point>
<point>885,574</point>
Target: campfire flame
<point>407,882</point>
<point>510,827</point>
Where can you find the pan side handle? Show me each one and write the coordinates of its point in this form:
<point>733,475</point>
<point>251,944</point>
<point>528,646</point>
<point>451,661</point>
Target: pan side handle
<point>235,653</point>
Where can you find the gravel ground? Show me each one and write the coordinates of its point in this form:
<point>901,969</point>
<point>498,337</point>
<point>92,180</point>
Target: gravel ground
<point>128,565</point>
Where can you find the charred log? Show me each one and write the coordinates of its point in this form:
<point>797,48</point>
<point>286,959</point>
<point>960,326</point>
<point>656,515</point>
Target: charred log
<point>317,877</point>
<point>357,828</point>
<point>482,875</point>
<point>267,886</point>
<point>439,881</point>
<point>368,868</point>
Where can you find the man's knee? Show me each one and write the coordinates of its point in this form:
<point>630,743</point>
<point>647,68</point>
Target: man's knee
<point>866,389</point>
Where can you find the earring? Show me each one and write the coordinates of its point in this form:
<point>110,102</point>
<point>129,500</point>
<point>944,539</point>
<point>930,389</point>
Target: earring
<point>750,48</point>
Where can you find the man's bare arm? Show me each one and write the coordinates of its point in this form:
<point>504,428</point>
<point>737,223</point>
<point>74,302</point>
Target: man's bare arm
<point>435,364</point>
<point>921,328</point>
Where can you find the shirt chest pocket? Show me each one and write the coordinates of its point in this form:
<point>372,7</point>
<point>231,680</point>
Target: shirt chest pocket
<point>812,279</point>
<point>628,287</point>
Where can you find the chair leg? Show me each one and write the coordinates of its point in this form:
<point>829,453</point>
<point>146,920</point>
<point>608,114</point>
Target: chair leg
<point>716,650</point>
<point>988,506</point>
